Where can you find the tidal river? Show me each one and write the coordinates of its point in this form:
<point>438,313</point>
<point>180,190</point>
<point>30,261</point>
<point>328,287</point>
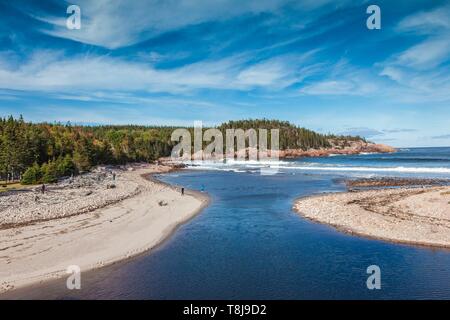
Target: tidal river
<point>249,244</point>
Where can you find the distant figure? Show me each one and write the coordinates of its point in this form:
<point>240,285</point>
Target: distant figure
<point>43,189</point>
<point>114,176</point>
<point>182,191</point>
<point>202,189</point>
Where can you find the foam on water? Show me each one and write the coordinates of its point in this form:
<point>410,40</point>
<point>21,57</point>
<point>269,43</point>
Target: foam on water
<point>426,162</point>
<point>371,169</point>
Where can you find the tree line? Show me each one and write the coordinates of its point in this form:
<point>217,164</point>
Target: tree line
<point>291,137</point>
<point>43,152</point>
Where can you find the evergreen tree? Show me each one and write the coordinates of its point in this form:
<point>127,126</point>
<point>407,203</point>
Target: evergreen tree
<point>65,166</point>
<point>49,172</point>
<point>48,151</point>
<point>32,175</point>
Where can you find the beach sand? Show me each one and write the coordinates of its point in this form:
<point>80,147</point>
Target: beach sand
<point>142,214</point>
<point>419,216</point>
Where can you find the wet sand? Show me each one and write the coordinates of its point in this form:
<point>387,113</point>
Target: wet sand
<point>40,250</point>
<point>419,216</point>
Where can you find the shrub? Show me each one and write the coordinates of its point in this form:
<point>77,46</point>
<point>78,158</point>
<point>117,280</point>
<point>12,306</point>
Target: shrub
<point>49,172</point>
<point>65,166</point>
<point>32,175</point>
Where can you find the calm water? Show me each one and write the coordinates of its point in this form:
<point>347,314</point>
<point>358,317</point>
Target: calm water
<point>248,244</point>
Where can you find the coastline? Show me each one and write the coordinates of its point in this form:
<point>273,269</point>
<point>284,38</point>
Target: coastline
<point>42,250</point>
<point>417,216</point>
<point>354,148</point>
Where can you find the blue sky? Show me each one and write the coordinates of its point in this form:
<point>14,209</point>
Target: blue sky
<point>312,62</point>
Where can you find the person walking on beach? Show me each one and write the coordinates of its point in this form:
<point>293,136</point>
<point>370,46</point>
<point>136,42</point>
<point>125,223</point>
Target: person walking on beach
<point>114,176</point>
<point>182,191</point>
<point>43,189</point>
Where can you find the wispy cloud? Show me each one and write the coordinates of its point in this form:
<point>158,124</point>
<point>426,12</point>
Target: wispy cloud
<point>427,22</point>
<point>344,79</point>
<point>399,130</point>
<point>362,132</point>
<point>444,136</point>
<point>424,67</point>
<point>428,54</point>
<point>53,71</point>
<point>380,134</point>
<point>338,87</point>
<point>119,23</point>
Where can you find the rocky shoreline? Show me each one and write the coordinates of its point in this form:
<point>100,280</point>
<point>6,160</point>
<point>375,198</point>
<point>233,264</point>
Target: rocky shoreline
<point>103,186</point>
<point>394,182</point>
<point>350,148</point>
<point>35,250</point>
<point>354,147</point>
<point>410,214</point>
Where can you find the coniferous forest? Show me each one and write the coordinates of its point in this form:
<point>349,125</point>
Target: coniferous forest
<point>43,152</point>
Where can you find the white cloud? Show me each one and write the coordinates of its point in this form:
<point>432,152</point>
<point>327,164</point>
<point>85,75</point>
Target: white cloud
<point>54,72</point>
<point>362,132</point>
<point>423,70</point>
<point>434,50</point>
<point>278,72</point>
<point>427,22</point>
<point>428,54</point>
<point>343,79</point>
<point>329,88</point>
<point>341,87</point>
<point>393,73</point>
<point>263,74</point>
<point>119,23</point>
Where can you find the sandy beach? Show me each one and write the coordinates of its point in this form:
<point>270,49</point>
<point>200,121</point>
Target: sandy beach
<point>419,216</point>
<point>89,221</point>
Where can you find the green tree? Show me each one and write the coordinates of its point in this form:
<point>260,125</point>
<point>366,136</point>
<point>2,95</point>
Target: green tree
<point>49,172</point>
<point>32,175</point>
<point>66,166</point>
<point>66,149</point>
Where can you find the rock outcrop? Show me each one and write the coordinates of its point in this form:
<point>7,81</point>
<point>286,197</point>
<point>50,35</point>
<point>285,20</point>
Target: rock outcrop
<point>350,147</point>
<point>338,146</point>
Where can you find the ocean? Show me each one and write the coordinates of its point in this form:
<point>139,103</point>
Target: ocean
<point>249,244</point>
<point>414,162</point>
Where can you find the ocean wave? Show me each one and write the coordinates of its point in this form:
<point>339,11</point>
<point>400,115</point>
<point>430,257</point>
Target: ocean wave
<point>412,159</point>
<point>210,163</point>
<point>370,169</point>
<point>217,168</point>
<point>315,167</point>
